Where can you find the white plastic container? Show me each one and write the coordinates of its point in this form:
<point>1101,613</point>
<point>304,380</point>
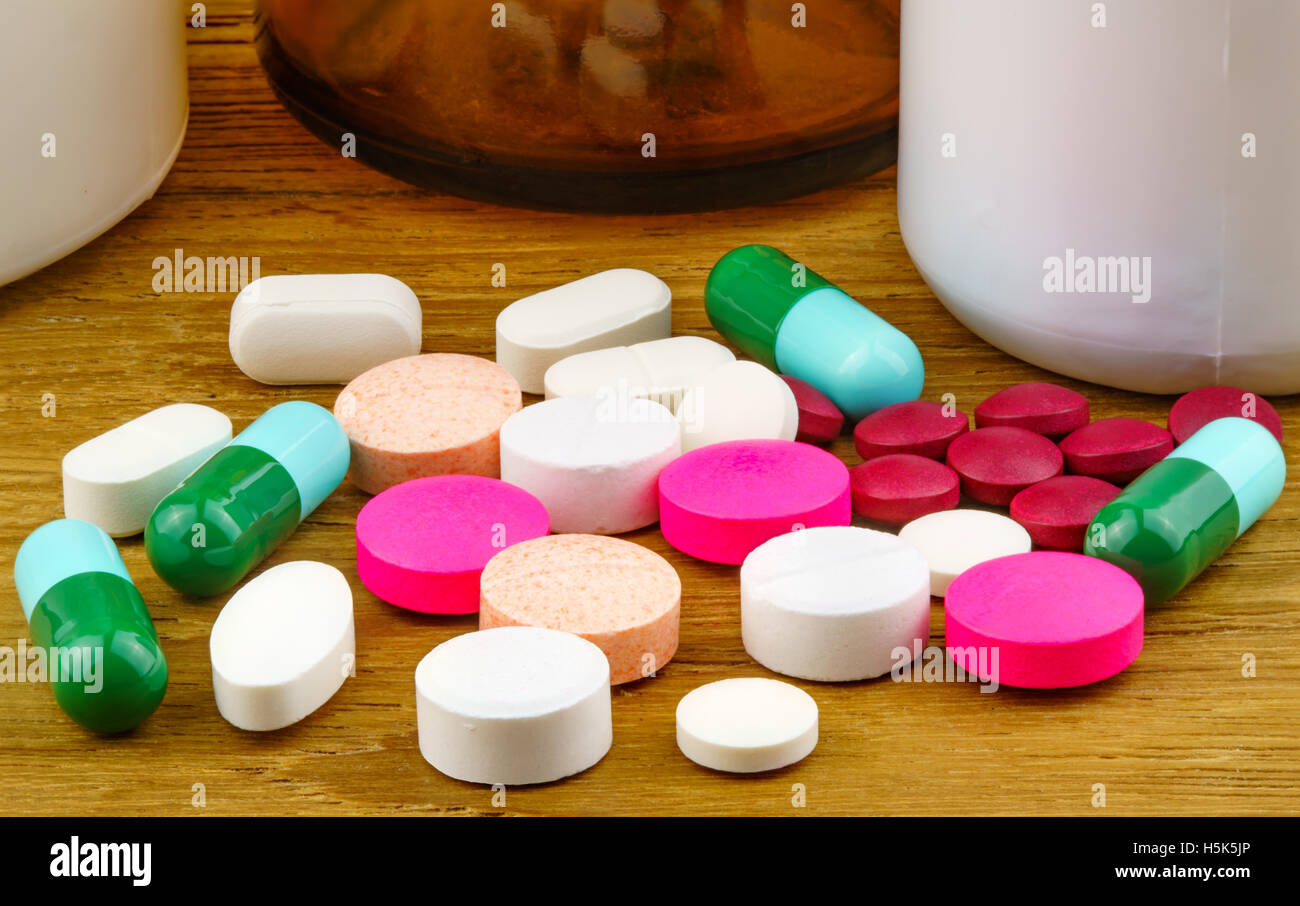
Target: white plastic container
<point>1034,130</point>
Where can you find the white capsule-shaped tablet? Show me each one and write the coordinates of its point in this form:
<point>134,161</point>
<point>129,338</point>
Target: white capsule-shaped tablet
<point>660,370</point>
<point>116,479</point>
<point>513,705</point>
<point>593,462</point>
<point>282,645</point>
<point>746,725</point>
<point>322,328</point>
<point>612,308</point>
<point>738,401</point>
<point>833,603</point>
<point>953,541</point>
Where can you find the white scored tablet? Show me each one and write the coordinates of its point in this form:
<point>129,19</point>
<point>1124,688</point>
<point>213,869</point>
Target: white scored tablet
<point>660,370</point>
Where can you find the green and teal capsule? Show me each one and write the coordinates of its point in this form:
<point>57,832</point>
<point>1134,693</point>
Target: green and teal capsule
<point>93,629</point>
<point>246,499</point>
<point>1178,516</point>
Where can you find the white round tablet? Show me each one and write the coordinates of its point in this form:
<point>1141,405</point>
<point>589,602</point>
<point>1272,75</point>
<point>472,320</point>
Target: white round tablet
<point>282,645</point>
<point>953,541</point>
<point>593,462</point>
<point>833,603</point>
<point>660,370</point>
<point>513,705</point>
<point>746,725</point>
<point>738,401</point>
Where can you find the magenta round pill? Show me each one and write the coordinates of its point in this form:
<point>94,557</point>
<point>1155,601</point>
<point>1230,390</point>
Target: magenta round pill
<point>1043,408</point>
<point>1116,449</point>
<point>1058,511</point>
<point>995,464</point>
<point>1043,620</point>
<point>1193,411</point>
<point>898,488</point>
<point>917,426</point>
<point>820,421</point>
<point>720,502</point>
<point>423,543</point>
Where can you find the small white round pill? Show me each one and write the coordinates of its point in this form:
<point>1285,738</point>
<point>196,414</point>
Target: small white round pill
<point>746,725</point>
<point>738,401</point>
<point>953,541</point>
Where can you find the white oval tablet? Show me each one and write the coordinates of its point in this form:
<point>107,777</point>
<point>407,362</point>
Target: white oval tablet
<point>746,725</point>
<point>833,603</point>
<point>513,705</point>
<point>611,308</point>
<point>593,462</point>
<point>955,540</point>
<point>660,370</point>
<point>282,645</point>
<point>322,328</point>
<point>738,401</point>
<point>116,479</point>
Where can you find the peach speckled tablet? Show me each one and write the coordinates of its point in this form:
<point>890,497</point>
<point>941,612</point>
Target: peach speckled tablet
<point>619,595</point>
<point>436,414</point>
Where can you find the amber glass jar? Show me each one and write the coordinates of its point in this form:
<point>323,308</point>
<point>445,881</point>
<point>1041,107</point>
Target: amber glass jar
<point>611,105</point>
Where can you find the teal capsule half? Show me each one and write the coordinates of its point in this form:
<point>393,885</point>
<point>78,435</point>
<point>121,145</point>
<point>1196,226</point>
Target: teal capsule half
<point>237,507</point>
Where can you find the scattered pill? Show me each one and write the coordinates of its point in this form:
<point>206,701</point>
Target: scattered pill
<point>916,426</point>
<point>659,370</point>
<point>955,540</point>
<point>833,603</point>
<point>621,596</point>
<point>995,464</point>
<point>248,497</point>
<point>282,646</point>
<point>116,479</point>
<point>611,308</point>
<point>1043,620</point>
<point>796,322</point>
<point>1193,411</point>
<point>322,328</point>
<point>720,502</point>
<point>737,401</point>
<point>106,667</point>
<point>1046,409</point>
<point>820,421</point>
<point>422,544</point>
<point>514,705</point>
<point>1116,449</point>
<point>435,414</point>
<point>898,488</point>
<point>746,725</point>
<point>1056,512</point>
<point>1183,512</point>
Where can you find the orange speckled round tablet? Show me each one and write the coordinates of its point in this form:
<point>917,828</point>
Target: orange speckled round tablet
<point>436,414</point>
<point>623,597</point>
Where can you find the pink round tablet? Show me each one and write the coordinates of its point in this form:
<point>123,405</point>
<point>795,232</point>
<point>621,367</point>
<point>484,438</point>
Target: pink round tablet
<point>820,422</point>
<point>1046,409</point>
<point>995,464</point>
<point>898,488</point>
<point>917,426</point>
<point>720,502</point>
<point>1193,411</point>
<point>1116,449</point>
<point>422,544</point>
<point>1058,511</point>
<point>1043,620</point>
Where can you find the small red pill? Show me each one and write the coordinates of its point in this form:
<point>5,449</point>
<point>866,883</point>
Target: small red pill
<point>820,421</point>
<point>1193,411</point>
<point>1116,449</point>
<point>997,463</point>
<point>900,487</point>
<point>918,427</point>
<point>1046,409</point>
<point>1058,511</point>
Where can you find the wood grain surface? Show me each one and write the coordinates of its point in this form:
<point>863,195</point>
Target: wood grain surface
<point>1182,732</point>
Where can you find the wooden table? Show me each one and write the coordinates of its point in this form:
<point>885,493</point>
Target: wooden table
<point>1181,732</point>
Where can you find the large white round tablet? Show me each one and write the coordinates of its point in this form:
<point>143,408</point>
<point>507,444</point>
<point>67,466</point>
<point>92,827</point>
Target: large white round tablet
<point>282,645</point>
<point>612,308</point>
<point>746,725</point>
<point>737,401</point>
<point>834,603</point>
<point>593,462</point>
<point>659,370</point>
<point>116,479</point>
<point>513,705</point>
<point>953,541</point>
